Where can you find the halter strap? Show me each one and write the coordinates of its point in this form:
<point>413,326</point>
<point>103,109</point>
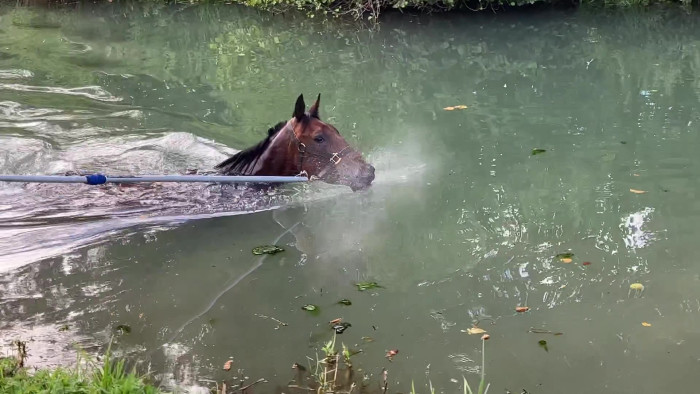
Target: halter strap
<point>334,158</point>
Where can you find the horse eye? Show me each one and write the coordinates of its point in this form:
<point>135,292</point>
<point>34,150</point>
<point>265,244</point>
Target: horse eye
<point>318,139</point>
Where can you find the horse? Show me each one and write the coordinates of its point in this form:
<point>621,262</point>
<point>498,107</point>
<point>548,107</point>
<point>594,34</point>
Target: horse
<point>303,145</point>
<point>39,220</point>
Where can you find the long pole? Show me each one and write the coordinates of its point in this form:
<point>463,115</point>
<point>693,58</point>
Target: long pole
<point>98,179</point>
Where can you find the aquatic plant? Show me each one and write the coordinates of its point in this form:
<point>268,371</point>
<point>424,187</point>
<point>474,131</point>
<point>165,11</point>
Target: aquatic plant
<point>89,376</point>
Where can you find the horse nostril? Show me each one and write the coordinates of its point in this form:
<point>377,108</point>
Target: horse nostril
<point>371,172</point>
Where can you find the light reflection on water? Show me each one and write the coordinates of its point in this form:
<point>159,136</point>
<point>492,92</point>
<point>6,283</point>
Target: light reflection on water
<point>461,226</point>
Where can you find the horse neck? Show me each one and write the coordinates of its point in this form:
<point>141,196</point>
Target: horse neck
<point>280,158</point>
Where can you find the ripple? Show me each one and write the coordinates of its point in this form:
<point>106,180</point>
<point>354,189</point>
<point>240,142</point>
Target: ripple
<point>92,92</point>
<point>15,74</point>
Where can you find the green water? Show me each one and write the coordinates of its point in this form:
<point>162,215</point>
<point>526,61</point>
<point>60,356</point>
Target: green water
<point>462,223</point>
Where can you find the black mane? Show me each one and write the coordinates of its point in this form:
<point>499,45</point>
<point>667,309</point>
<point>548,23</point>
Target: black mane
<point>244,161</point>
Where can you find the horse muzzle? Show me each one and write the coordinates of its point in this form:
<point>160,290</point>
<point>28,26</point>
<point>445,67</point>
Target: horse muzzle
<point>364,180</point>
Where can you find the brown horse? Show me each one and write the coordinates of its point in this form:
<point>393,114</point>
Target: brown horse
<point>303,145</point>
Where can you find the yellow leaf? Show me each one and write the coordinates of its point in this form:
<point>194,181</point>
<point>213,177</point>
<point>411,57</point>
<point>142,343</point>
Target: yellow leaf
<point>645,324</point>
<point>474,331</point>
<point>566,260</point>
<point>460,106</point>
<point>635,191</point>
<point>449,108</point>
<point>637,286</point>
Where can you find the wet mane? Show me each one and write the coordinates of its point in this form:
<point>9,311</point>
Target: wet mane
<point>244,161</point>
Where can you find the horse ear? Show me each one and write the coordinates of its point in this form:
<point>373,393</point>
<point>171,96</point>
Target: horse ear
<point>313,111</point>
<point>299,107</point>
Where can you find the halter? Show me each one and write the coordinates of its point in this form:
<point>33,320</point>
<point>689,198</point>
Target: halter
<point>333,158</point>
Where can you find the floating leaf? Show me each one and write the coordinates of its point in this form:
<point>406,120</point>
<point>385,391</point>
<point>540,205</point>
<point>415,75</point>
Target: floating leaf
<point>636,191</point>
<point>123,329</point>
<point>267,249</point>
<point>368,339</point>
<point>345,302</point>
<point>474,331</point>
<point>543,344</point>
<point>537,151</point>
<point>455,107</point>
<point>645,324</point>
<point>637,286</point>
<point>313,309</point>
<point>227,365</point>
<point>335,321</point>
<point>64,327</point>
<point>586,263</point>
<point>565,257</point>
<point>362,286</point>
<point>340,328</point>
<point>522,308</point>
<point>485,337</point>
<point>541,331</point>
<point>391,353</point>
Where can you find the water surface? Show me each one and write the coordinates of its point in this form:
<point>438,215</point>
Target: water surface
<point>462,224</point>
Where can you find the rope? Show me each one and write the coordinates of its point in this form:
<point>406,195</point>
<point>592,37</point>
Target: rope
<point>211,304</point>
<point>99,179</point>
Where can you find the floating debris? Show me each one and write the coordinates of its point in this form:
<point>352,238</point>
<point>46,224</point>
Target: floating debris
<point>537,151</point>
<point>542,331</point>
<point>474,331</point>
<point>637,191</point>
<point>586,263</point>
<point>335,321</point>
<point>521,309</point>
<point>638,288</point>
<point>543,344</point>
<point>391,353</point>
<point>227,365</point>
<point>345,301</point>
<point>455,107</point>
<point>367,339</point>
<point>64,327</point>
<point>299,367</point>
<point>267,249</point>
<point>565,257</point>
<point>123,329</point>
<point>645,324</point>
<point>362,286</point>
<point>341,327</point>
<point>309,307</point>
<point>485,337</point>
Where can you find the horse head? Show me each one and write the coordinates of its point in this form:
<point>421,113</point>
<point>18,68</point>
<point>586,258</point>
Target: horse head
<point>304,145</point>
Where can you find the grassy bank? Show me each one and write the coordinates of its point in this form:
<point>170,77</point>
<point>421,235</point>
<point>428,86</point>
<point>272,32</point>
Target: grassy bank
<point>111,376</point>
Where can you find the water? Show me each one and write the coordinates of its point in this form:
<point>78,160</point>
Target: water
<point>462,224</point>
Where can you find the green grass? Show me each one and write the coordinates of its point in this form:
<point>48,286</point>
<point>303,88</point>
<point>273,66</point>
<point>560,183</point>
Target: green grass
<point>110,377</point>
